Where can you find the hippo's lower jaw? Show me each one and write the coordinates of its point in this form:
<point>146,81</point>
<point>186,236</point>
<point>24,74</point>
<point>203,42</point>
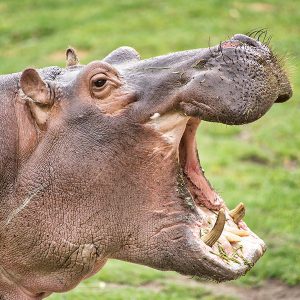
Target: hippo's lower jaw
<point>219,245</point>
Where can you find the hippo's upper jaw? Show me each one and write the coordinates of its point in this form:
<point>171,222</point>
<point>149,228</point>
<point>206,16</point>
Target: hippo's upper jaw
<point>235,82</point>
<point>100,162</point>
<point>238,82</point>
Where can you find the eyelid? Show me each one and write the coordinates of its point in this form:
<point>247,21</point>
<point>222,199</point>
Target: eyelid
<point>100,76</point>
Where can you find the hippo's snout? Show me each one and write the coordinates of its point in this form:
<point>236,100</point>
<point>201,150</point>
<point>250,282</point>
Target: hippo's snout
<point>237,82</point>
<point>246,40</point>
<point>285,92</point>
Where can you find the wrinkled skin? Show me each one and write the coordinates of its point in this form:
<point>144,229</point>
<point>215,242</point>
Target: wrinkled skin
<point>99,162</point>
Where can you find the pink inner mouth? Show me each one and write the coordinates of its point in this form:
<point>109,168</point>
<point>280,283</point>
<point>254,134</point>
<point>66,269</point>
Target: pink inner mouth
<point>235,234</point>
<point>198,185</point>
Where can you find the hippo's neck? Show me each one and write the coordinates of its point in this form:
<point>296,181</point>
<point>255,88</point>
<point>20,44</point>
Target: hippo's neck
<point>9,290</point>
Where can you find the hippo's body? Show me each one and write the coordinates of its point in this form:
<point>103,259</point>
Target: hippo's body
<point>100,161</point>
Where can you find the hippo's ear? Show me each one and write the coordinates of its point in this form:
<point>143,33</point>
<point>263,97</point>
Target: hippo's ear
<point>39,94</point>
<point>71,57</point>
<point>122,55</point>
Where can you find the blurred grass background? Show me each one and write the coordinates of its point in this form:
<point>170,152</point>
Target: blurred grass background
<point>256,163</point>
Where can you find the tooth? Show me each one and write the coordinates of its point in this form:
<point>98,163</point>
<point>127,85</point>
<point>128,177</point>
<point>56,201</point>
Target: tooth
<point>231,237</point>
<point>238,213</point>
<point>210,238</point>
<point>237,231</point>
<point>155,116</point>
<point>226,245</point>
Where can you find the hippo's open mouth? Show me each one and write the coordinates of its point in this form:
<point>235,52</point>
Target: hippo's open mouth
<point>221,229</point>
<point>235,82</point>
<point>229,246</point>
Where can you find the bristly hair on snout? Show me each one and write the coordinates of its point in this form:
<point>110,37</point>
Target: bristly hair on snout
<point>282,59</point>
<point>261,35</point>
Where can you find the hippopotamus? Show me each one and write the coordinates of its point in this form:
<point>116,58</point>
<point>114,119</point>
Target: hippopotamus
<point>99,162</point>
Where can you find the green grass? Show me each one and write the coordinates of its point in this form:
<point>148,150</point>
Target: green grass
<point>256,163</point>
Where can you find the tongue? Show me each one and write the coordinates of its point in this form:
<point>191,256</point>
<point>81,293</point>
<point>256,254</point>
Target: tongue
<point>198,184</point>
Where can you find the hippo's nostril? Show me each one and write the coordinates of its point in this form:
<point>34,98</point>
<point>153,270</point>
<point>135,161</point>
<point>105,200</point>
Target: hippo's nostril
<point>246,39</point>
<point>284,97</point>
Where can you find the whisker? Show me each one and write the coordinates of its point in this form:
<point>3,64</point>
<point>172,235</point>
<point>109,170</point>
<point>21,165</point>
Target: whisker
<point>229,58</point>
<point>263,32</point>
<point>249,33</point>
<point>209,46</point>
<point>257,33</point>
<point>253,32</point>
<point>220,49</point>
<point>237,57</point>
<point>269,40</point>
<point>265,36</point>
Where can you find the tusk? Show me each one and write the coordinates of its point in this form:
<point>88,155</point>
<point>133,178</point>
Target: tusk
<point>210,238</point>
<point>71,57</point>
<point>238,213</point>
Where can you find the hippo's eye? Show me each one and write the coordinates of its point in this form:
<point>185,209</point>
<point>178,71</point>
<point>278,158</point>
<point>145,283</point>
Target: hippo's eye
<point>99,83</point>
<point>102,84</point>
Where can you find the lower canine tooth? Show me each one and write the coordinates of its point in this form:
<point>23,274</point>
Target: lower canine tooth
<point>210,238</point>
<point>238,213</point>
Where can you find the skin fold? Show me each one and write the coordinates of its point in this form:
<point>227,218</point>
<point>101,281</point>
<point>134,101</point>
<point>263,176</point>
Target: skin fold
<point>98,161</point>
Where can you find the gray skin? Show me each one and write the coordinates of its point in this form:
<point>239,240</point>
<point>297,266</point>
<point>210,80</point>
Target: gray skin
<point>80,180</point>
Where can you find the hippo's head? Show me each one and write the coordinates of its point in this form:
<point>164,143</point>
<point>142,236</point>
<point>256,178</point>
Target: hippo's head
<point>112,169</point>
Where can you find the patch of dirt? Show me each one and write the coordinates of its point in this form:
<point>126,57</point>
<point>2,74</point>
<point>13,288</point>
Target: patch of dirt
<point>255,159</point>
<point>269,290</point>
<point>255,6</point>
<point>260,7</point>
<point>245,136</point>
<point>291,164</point>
